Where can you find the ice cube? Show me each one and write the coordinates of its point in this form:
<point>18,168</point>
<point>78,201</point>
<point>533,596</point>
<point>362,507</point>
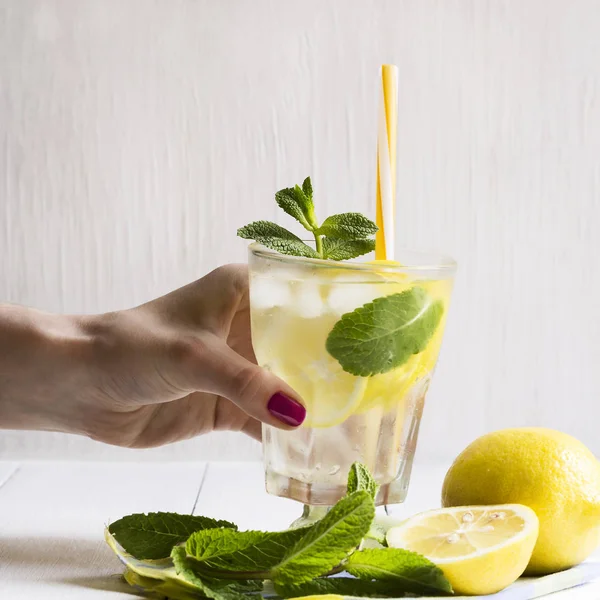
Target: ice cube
<point>307,302</point>
<point>345,297</point>
<point>266,293</point>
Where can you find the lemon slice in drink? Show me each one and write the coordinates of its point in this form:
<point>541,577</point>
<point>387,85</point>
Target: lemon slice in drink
<point>329,393</point>
<point>480,549</point>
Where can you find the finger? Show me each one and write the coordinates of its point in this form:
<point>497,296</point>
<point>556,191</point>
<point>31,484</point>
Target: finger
<point>253,428</point>
<point>210,365</point>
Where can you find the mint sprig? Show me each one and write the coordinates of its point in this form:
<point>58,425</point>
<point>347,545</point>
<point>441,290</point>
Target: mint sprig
<point>339,237</point>
<point>222,563</point>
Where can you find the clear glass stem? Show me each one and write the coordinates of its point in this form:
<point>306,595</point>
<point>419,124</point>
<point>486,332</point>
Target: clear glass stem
<point>310,514</point>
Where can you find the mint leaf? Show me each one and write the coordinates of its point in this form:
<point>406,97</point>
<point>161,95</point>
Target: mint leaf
<point>298,205</point>
<point>159,587</point>
<point>307,188</point>
<point>265,229</point>
<point>290,247</point>
<point>241,551</point>
<point>348,226</point>
<point>277,238</point>
<point>327,543</point>
<point>336,249</point>
<point>211,588</point>
<point>152,536</point>
<point>360,478</point>
<point>410,571</point>
<point>385,333</point>
<point>342,586</point>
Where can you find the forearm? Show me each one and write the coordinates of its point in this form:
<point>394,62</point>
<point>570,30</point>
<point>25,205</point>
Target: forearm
<point>41,367</point>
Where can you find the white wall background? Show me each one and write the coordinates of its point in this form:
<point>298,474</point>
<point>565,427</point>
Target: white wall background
<point>136,135</point>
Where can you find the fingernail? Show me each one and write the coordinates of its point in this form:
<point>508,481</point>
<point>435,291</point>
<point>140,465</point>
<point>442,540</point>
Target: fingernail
<point>286,410</point>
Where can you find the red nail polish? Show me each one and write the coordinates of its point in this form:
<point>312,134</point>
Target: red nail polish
<point>286,410</point>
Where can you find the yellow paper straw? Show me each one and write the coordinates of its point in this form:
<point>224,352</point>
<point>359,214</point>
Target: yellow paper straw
<point>387,133</point>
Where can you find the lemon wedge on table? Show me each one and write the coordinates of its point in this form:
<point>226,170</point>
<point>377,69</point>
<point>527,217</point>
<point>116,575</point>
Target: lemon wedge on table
<point>480,549</point>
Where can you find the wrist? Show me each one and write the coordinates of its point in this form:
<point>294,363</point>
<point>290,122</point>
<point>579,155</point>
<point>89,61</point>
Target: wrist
<point>42,358</point>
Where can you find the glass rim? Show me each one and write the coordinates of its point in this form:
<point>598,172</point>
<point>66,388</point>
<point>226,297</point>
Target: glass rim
<point>440,263</point>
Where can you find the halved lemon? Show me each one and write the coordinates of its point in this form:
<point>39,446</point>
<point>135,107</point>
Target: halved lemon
<point>480,549</point>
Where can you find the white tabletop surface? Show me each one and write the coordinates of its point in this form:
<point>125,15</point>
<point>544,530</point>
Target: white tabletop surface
<point>52,516</point>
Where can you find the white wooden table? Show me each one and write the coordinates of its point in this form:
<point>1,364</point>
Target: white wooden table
<point>52,516</point>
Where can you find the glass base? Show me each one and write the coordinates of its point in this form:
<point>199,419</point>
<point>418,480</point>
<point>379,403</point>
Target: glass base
<point>321,494</point>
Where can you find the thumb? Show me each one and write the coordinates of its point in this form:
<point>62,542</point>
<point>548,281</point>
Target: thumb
<point>220,370</point>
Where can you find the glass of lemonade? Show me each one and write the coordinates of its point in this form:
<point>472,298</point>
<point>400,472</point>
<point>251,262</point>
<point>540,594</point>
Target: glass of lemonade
<point>358,342</point>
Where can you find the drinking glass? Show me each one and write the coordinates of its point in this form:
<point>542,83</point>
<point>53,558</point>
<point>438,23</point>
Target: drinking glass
<point>352,415</point>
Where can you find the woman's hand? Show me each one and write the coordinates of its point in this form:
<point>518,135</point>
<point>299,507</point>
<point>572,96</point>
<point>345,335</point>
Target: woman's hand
<point>168,370</point>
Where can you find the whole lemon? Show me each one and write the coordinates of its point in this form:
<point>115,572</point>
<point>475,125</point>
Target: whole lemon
<point>549,471</point>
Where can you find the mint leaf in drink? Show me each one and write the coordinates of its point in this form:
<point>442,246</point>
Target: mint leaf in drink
<point>254,552</point>
<point>342,586</point>
<point>348,226</point>
<point>385,333</point>
<point>410,571</point>
<point>211,588</point>
<point>337,249</point>
<point>298,205</point>
<point>327,543</point>
<point>152,536</point>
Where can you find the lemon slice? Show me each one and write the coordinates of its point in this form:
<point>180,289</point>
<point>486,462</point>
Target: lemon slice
<point>480,549</point>
<point>330,394</point>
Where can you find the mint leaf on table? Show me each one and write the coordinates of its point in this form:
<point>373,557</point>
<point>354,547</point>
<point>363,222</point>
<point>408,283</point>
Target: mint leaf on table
<point>342,586</point>
<point>254,552</point>
<point>163,588</point>
<point>338,249</point>
<point>215,589</point>
<point>152,536</point>
<point>348,226</point>
<point>410,571</point>
<point>328,542</point>
<point>360,478</point>
<point>296,203</point>
<point>385,333</point>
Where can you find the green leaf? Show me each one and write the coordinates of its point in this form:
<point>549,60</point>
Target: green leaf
<point>211,588</point>
<point>409,570</point>
<point>298,205</point>
<point>152,536</point>
<point>348,226</point>
<point>241,551</point>
<point>277,238</point>
<point>170,589</point>
<point>360,478</point>
<point>307,188</point>
<point>160,576</point>
<point>342,586</point>
<point>265,229</point>
<point>327,543</point>
<point>290,247</point>
<point>385,333</point>
<point>336,249</point>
